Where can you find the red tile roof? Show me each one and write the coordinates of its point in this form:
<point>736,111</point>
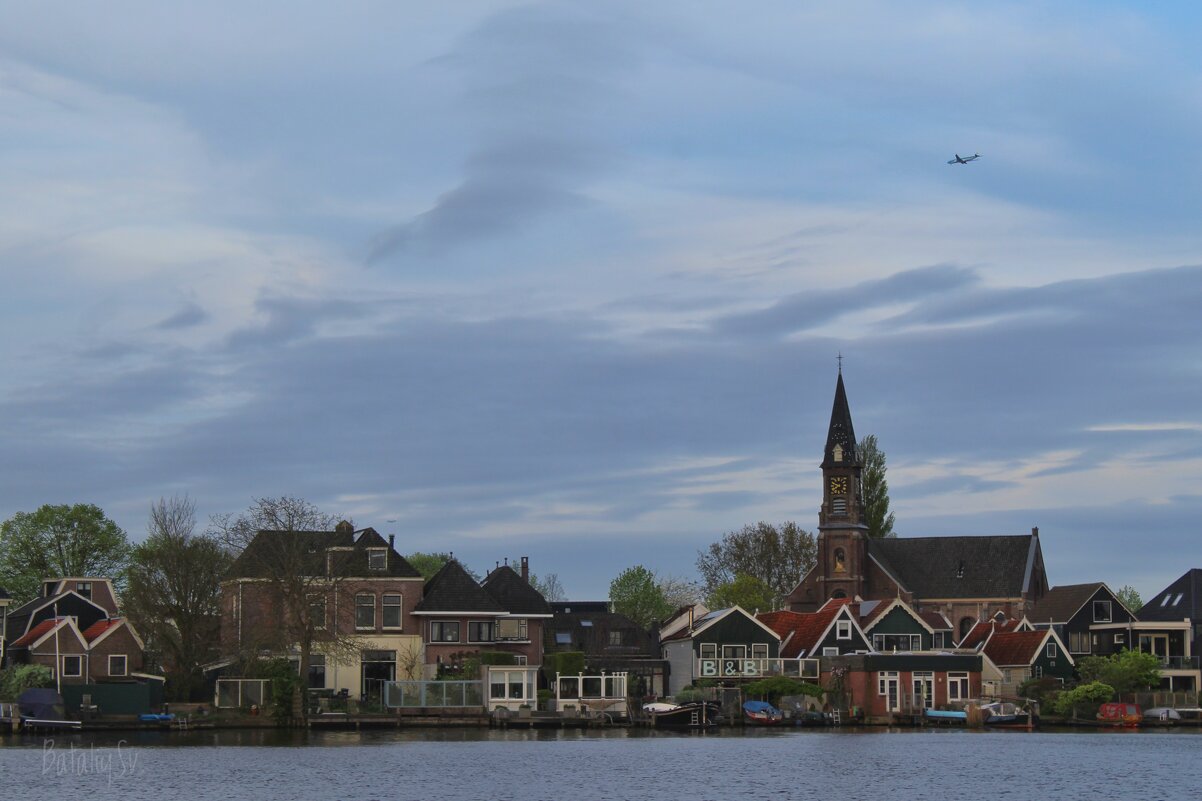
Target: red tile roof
<point>873,613</point>
<point>1015,647</point>
<point>980,632</point>
<point>36,633</point>
<point>936,620</point>
<point>100,627</point>
<point>806,627</point>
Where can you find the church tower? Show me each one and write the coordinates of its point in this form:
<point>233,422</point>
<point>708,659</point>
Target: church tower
<point>842,534</point>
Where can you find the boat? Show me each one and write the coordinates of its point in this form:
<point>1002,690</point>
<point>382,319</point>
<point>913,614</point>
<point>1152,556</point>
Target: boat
<point>945,715</point>
<point>44,709</point>
<point>1004,713</point>
<point>1161,716</point>
<point>761,713</point>
<point>695,715</point>
<point>1119,714</point>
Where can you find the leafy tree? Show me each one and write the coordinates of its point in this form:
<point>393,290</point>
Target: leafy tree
<point>58,541</point>
<point>1130,598</point>
<point>772,689</point>
<point>777,556</point>
<point>174,593</point>
<point>636,594</point>
<point>1126,671</point>
<point>1082,699</point>
<point>284,562</point>
<point>429,563</point>
<point>875,489</point>
<point>19,678</point>
<point>746,591</point>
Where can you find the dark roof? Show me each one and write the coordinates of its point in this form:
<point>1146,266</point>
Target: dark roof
<point>1162,606</point>
<point>268,546</point>
<point>514,593</point>
<point>587,628</point>
<point>840,431</point>
<point>1015,647</point>
<point>451,589</point>
<point>1061,603</point>
<point>958,567</point>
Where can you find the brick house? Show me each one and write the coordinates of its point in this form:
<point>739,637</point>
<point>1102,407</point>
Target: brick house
<point>359,600</point>
<point>881,686</point>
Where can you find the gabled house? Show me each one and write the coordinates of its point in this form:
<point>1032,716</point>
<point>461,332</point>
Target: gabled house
<point>944,633</point>
<point>461,618</point>
<point>1089,618</point>
<point>64,598</point>
<point>982,630</point>
<point>56,643</point>
<point>1170,626</point>
<point>894,626</point>
<point>1022,655</point>
<point>610,642</point>
<point>359,600</point>
<point>832,630</point>
<point>725,644</point>
<point>683,617</point>
<point>883,687</point>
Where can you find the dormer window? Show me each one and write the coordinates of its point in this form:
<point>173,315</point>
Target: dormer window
<point>377,559</point>
<point>838,453</point>
<point>84,588</point>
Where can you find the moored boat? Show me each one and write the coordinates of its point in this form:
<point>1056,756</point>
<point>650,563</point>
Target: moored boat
<point>761,713</point>
<point>696,715</point>
<point>945,715</point>
<point>1120,714</point>
<point>1005,714</point>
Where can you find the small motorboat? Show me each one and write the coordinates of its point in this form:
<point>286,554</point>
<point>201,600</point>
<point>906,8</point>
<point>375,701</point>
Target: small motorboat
<point>43,709</point>
<point>946,715</point>
<point>761,713</point>
<point>1004,713</point>
<point>1161,716</point>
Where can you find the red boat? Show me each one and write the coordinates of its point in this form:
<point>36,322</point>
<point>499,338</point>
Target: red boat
<point>1120,715</point>
<point>761,713</point>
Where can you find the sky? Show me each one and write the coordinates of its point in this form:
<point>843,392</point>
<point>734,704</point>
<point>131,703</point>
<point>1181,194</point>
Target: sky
<point>569,280</point>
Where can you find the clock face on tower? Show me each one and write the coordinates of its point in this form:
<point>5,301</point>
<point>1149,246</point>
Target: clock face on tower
<point>839,485</point>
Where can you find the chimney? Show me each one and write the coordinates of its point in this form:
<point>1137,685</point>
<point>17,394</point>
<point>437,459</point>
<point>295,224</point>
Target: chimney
<point>525,568</point>
<point>1034,531</point>
<point>392,541</point>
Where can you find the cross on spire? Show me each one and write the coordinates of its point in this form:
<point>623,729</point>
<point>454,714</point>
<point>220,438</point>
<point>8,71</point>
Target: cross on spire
<point>840,360</point>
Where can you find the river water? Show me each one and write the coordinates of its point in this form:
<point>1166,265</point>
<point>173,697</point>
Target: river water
<point>478,765</point>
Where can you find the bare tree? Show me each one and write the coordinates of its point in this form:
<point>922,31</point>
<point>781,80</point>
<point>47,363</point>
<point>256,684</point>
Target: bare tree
<point>174,591</point>
<point>679,591</point>
<point>549,586</point>
<point>284,544</point>
<point>779,556</point>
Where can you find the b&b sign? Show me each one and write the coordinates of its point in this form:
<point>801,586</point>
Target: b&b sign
<point>715,668</point>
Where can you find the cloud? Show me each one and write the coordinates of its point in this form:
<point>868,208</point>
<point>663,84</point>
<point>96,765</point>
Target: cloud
<point>191,314</point>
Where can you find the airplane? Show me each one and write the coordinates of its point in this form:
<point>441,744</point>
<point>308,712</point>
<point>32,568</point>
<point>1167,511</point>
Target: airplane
<point>963,160</point>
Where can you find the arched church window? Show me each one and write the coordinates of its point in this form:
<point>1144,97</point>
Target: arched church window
<point>838,594</point>
<point>838,453</point>
<point>840,560</point>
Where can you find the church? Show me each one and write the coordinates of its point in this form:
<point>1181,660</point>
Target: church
<point>962,578</point>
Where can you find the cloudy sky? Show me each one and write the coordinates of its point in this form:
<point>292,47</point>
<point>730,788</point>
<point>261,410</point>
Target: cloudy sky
<point>569,280</point>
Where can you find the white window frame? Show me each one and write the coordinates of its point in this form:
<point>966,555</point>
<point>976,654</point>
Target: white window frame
<point>881,677</point>
<point>736,651</point>
<point>830,651</point>
<point>1050,650</point>
<point>399,605</point>
<point>519,659</point>
<point>523,632</point>
<point>963,688</point>
<point>317,600</point>
<point>124,664</point>
<point>359,626</point>
<point>79,672</point>
<point>375,555</point>
<point>709,650</point>
<point>842,629</point>
<point>759,650</point>
<point>1120,638</point>
<point>1109,612</point>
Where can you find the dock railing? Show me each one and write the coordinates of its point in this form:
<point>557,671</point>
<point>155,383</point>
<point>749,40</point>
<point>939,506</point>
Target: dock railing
<point>433,694</point>
<point>242,693</point>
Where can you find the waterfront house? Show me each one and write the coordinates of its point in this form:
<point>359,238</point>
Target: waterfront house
<point>965,578</point>
<point>356,594</point>
<point>610,642</point>
<point>1170,626</point>
<point>896,626</point>
<point>1023,655</point>
<point>683,618</point>
<point>461,619</point>
<point>883,686</point>
<point>1088,618</point>
<point>723,645</point>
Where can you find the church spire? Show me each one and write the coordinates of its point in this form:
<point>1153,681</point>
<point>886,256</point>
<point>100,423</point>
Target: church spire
<point>841,436</point>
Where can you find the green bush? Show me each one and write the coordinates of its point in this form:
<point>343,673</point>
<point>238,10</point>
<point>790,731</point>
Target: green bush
<point>1126,671</point>
<point>689,695</point>
<point>19,678</point>
<point>496,658</point>
<point>569,663</point>
<point>1083,699</point>
<point>773,688</point>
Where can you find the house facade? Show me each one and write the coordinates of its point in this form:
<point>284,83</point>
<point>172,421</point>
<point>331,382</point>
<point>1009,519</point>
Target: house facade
<point>1170,626</point>
<point>884,686</point>
<point>352,591</point>
<point>1024,655</point>
<point>832,630</point>
<point>728,645</point>
<point>611,643</point>
<point>966,579</point>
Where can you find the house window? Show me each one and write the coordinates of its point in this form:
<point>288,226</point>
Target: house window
<point>1120,638</point>
<point>84,588</point>
<point>317,671</point>
<point>1007,677</point>
<point>734,651</point>
<point>615,638</point>
<point>882,681</point>
<point>563,638</point>
<point>1037,672</point>
<point>1101,611</point>
<point>513,628</point>
<point>377,559</point>
<point>1078,642</point>
<point>118,665</point>
<point>1051,651</point>
<point>896,642</point>
<point>941,639</point>
<point>709,650</point>
<point>759,650</point>
<point>317,612</point>
<point>479,631</point>
<point>957,686</point>
<point>519,659</point>
<point>72,666</point>
<point>444,631</point>
<point>390,610</point>
<point>843,630</point>
<point>365,611</point>
<point>829,651</point>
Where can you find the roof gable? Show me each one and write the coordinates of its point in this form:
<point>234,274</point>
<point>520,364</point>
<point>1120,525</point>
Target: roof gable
<point>347,550</point>
<point>1179,600</point>
<point>1009,648</point>
<point>883,609</point>
<point>452,589</point>
<point>1062,604</point>
<point>514,593</point>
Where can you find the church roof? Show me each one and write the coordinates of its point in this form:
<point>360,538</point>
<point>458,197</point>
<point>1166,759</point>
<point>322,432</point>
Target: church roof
<point>958,567</point>
<point>840,432</point>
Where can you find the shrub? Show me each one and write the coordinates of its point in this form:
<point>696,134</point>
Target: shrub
<point>19,678</point>
<point>1082,699</point>
<point>777,686</point>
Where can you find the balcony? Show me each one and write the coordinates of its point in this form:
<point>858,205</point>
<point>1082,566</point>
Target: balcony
<point>1179,663</point>
<point>756,668</point>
